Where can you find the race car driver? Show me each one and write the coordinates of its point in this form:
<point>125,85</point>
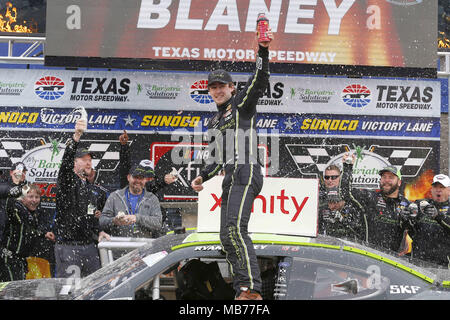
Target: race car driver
<point>235,120</point>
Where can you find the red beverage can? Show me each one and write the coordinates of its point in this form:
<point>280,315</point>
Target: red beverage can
<point>262,27</point>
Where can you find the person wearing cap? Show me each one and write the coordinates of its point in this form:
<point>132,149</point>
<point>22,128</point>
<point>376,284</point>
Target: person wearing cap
<point>76,227</point>
<point>154,184</point>
<point>384,209</point>
<point>431,237</point>
<point>340,215</point>
<point>235,119</point>
<point>22,234</point>
<point>132,211</point>
<point>16,179</point>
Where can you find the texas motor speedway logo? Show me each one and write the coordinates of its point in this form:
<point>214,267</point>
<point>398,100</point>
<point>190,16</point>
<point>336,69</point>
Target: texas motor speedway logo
<point>272,96</point>
<point>49,88</point>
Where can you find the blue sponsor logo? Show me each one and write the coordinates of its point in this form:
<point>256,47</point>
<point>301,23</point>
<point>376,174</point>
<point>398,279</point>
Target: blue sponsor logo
<point>199,92</point>
<point>356,95</point>
<point>49,88</point>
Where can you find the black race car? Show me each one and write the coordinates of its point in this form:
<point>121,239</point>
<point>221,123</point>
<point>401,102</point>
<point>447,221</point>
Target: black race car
<point>192,266</point>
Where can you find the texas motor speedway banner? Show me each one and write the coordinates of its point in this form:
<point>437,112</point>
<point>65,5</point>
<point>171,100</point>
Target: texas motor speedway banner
<point>304,124</point>
<point>188,91</point>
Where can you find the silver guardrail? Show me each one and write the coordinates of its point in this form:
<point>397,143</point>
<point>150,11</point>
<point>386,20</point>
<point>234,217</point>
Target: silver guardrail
<point>106,247</point>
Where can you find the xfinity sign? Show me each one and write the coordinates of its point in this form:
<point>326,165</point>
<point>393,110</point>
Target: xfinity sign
<point>284,206</point>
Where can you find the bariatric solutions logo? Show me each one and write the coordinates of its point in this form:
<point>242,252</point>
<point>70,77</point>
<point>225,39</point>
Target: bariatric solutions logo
<point>356,95</point>
<point>49,88</point>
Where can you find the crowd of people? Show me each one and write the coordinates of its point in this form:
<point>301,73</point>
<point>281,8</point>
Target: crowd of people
<point>385,218</point>
<point>85,212</point>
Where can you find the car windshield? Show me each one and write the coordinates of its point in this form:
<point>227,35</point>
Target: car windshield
<point>127,265</point>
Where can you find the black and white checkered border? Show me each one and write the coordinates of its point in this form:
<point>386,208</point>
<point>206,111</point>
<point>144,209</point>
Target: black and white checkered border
<point>313,159</point>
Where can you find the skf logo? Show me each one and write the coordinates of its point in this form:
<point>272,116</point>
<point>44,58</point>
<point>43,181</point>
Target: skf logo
<point>49,88</point>
<point>356,95</point>
<point>199,92</point>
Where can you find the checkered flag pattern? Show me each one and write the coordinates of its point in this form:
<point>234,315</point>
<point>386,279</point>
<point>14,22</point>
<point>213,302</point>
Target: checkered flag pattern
<point>312,159</point>
<point>106,153</point>
<point>12,149</point>
<point>408,159</point>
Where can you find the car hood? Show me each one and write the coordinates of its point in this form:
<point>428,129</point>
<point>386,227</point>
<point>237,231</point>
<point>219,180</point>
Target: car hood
<point>37,289</point>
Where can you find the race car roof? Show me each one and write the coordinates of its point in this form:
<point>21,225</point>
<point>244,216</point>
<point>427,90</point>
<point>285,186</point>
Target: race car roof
<point>204,238</point>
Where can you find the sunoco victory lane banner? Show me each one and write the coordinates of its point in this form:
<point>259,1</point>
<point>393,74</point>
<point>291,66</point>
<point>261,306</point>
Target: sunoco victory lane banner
<point>188,92</point>
<point>173,122</point>
<point>393,33</point>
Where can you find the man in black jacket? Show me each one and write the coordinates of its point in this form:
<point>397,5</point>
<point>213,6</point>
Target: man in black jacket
<point>76,226</point>
<point>236,120</point>
<point>155,184</point>
<point>21,232</point>
<point>431,236</point>
<point>340,214</point>
<point>384,209</point>
<point>16,177</point>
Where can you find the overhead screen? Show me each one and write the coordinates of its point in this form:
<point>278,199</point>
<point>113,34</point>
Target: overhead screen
<point>309,34</point>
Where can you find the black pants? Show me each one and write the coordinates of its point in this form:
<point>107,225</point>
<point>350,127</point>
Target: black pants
<point>239,188</point>
<point>13,268</point>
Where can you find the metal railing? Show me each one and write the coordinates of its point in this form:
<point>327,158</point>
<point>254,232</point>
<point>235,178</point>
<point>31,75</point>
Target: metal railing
<point>444,64</point>
<point>29,55</point>
<point>106,248</point>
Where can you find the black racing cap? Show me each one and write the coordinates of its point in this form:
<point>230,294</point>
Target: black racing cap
<point>391,169</point>
<point>19,166</point>
<point>333,195</point>
<point>220,76</point>
<point>144,169</point>
<point>81,152</point>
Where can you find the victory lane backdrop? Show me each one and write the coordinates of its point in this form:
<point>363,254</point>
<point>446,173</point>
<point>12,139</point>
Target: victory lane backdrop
<point>292,155</point>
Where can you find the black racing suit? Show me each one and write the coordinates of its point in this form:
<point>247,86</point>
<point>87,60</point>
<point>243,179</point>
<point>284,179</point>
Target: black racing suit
<point>235,150</point>
<point>20,237</point>
<point>382,214</point>
<point>384,226</point>
<point>431,236</point>
<point>4,188</point>
<point>348,222</point>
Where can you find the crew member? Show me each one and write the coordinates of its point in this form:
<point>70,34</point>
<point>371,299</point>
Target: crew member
<point>431,239</point>
<point>76,226</point>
